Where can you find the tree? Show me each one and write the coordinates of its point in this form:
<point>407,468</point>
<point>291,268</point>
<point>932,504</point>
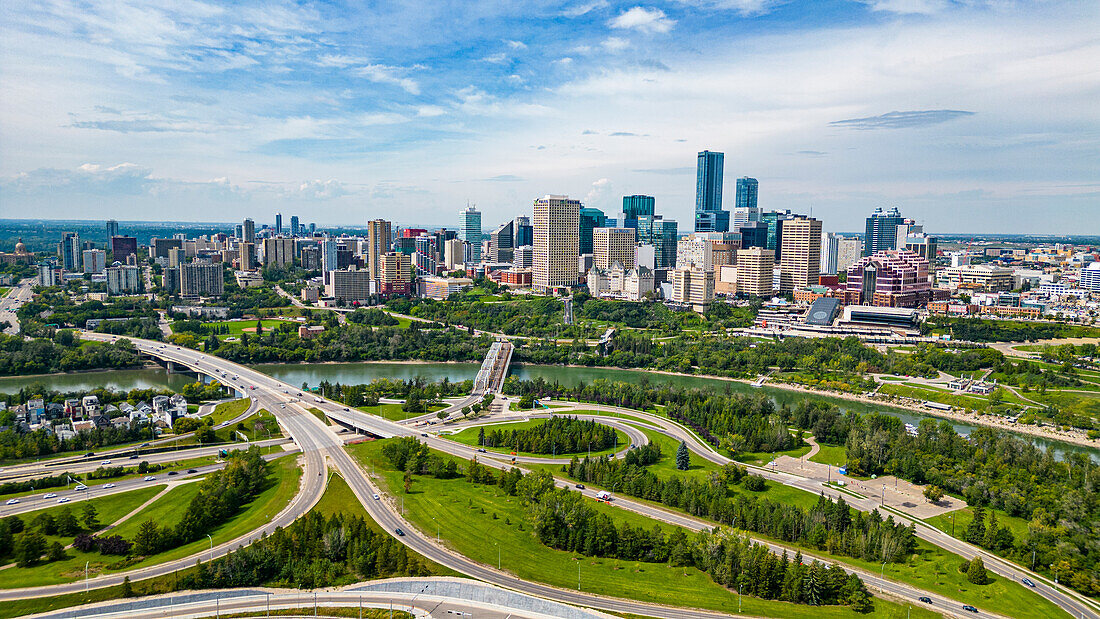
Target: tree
<point>976,573</point>
<point>56,552</point>
<point>29,548</point>
<point>205,434</point>
<point>90,517</point>
<point>408,482</point>
<point>683,457</point>
<point>127,588</point>
<point>66,523</point>
<point>147,540</point>
<point>441,415</point>
<point>259,327</point>
<point>933,494</point>
<point>975,531</point>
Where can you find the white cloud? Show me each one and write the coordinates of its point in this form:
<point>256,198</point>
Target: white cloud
<point>615,44</point>
<point>515,44</point>
<point>643,20</point>
<point>921,7</point>
<point>498,58</point>
<point>429,111</point>
<point>385,74</point>
<point>320,190</point>
<point>599,192</point>
<point>744,7</point>
<point>584,8</point>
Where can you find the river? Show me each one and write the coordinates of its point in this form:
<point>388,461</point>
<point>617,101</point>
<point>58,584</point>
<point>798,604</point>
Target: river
<point>356,373</point>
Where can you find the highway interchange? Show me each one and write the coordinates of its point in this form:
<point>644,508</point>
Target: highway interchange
<point>321,446</point>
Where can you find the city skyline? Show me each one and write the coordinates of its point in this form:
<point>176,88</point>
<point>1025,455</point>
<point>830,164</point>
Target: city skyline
<point>957,113</point>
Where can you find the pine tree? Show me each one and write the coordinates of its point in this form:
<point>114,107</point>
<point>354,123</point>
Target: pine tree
<point>91,517</point>
<point>683,457</point>
<point>975,573</point>
<point>975,531</point>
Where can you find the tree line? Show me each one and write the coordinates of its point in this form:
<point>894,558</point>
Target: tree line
<point>559,434</point>
<point>63,353</point>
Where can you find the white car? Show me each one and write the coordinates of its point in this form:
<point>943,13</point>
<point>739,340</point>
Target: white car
<point>149,478</point>
<point>63,499</point>
<point>12,502</point>
<point>80,488</point>
<point>376,497</point>
<point>50,496</point>
<point>105,462</point>
<point>108,486</point>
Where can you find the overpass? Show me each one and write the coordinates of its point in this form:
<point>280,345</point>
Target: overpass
<point>490,378</point>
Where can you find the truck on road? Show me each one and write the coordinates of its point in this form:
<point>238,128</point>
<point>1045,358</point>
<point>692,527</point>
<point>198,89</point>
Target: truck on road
<point>603,495</point>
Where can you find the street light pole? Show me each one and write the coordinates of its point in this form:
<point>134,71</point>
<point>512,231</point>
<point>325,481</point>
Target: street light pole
<point>211,547</point>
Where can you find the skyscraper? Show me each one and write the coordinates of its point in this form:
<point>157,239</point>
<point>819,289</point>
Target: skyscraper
<point>278,223</point>
<point>800,264</point>
<point>747,189</point>
<point>556,224</point>
<point>611,245</point>
<point>661,233</point>
<point>590,219</point>
<point>634,207</point>
<point>69,252</point>
<point>754,271</point>
<point>522,232</point>
<point>500,240</point>
<point>470,228</point>
<point>112,229</point>
<point>249,231</point>
<point>295,227</point>
<point>882,231</point>
<point>378,243</point>
<point>709,216</point>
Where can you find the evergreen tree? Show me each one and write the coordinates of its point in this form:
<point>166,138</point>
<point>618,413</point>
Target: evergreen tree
<point>975,572</point>
<point>29,548</point>
<point>91,517</point>
<point>975,531</point>
<point>683,457</point>
<point>66,523</point>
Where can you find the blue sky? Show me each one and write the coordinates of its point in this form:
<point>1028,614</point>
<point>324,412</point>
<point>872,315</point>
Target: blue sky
<point>969,116</point>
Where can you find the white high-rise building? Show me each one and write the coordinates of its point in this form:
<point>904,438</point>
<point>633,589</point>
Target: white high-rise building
<point>556,223</point>
<point>830,243</point>
<point>800,259</point>
<point>94,260</point>
<point>743,215</point>
<point>696,251</point>
<point>328,255</point>
<point>611,245</point>
<point>848,251</point>
<point>122,279</point>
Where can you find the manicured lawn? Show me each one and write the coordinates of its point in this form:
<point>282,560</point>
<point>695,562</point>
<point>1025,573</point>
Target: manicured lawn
<point>393,412</point>
<point>229,410</point>
<point>237,327</point>
<point>110,508</point>
<point>834,455</point>
<point>468,436</point>
<point>166,511</point>
<point>963,518</point>
<point>764,457</point>
<point>281,489</point>
<point>464,513</point>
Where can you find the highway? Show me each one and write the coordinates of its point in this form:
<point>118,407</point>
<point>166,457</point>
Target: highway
<point>319,443</point>
<point>13,300</point>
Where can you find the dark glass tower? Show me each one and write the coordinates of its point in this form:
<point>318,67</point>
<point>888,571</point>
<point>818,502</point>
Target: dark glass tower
<point>590,218</point>
<point>634,207</point>
<point>747,189</point>
<point>882,231</point>
<point>709,216</point>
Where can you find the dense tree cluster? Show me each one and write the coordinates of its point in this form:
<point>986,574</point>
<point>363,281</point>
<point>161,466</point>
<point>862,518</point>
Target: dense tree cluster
<point>64,353</point>
<point>373,317</point>
<point>531,316</point>
<point>829,525</point>
<point>369,394</point>
<point>314,551</point>
<point>15,444</point>
<point>559,434</point>
<point>979,330</point>
<point>59,309</point>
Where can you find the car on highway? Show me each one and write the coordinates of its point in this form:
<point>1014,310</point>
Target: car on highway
<point>925,599</point>
<point>399,532</point>
<point>149,478</point>
<point>133,457</point>
<point>63,499</point>
<point>481,450</point>
<point>80,488</point>
<point>580,486</point>
<point>105,462</point>
<point>108,486</point>
<point>12,502</point>
<point>424,434</point>
<point>970,609</point>
<point>376,497</point>
<point>1028,582</point>
<point>90,454</point>
<point>171,473</point>
<point>189,471</point>
<point>50,496</point>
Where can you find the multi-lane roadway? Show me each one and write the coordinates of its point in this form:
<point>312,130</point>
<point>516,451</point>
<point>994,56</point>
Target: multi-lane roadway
<point>320,443</point>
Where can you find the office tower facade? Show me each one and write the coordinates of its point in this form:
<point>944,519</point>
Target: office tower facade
<point>662,234</point>
<point>773,221</point>
<point>696,251</point>
<point>68,252</point>
<point>881,232</point>
<point>556,228</point>
<point>755,266</point>
<point>454,254</point>
<point>278,223</point>
<point>246,256</point>
<point>379,233</point>
<point>94,260</point>
<point>295,226</point>
<point>112,229</point>
<point>470,229</point>
<point>891,279</point>
<point>175,257</point>
<point>123,279</point>
<point>693,287</point>
<point>754,234</point>
<point>394,274</point>
<point>848,251</point>
<point>635,207</point>
<point>329,257</point>
<point>201,279</point>
<point>500,243</point>
<point>830,243</point>
<point>709,216</point>
<point>348,286</point>
<point>278,251</point>
<point>122,246</point>
<point>249,230</point>
<point>590,219</point>
<point>611,246</point>
<point>522,232</point>
<point>800,264</point>
<point>161,247</point>
<point>747,189</point>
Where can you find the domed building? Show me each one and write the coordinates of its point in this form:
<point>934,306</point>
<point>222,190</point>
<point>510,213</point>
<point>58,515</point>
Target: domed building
<point>20,256</point>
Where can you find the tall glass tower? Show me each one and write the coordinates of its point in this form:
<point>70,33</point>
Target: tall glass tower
<point>882,231</point>
<point>634,207</point>
<point>590,219</point>
<point>747,189</point>
<point>470,227</point>
<point>709,216</point>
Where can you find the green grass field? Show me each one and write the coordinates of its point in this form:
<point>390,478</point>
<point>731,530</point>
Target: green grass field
<point>760,458</point>
<point>468,436</point>
<point>237,327</point>
<point>963,517</point>
<point>110,508</point>
<point>464,513</point>
<point>283,487</point>
<point>229,410</point>
<point>393,412</point>
<point>834,455</point>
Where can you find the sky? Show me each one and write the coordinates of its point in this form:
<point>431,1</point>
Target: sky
<point>969,116</point>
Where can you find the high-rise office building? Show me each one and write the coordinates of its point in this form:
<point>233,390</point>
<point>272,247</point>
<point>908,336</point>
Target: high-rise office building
<point>161,247</point>
<point>611,246</point>
<point>522,232</point>
<point>696,251</point>
<point>246,255</point>
<point>590,219</point>
<point>848,251</point>
<point>201,279</point>
<point>662,234</point>
<point>68,252</point>
<point>94,260</point>
<point>278,251</point>
<point>881,233</point>
<point>755,266</point>
<point>556,224</point>
<point>278,223</point>
<point>891,279</point>
<point>112,229</point>
<point>800,264</point>
<point>295,227</point>
<point>709,216</point>
<point>747,189</point>
<point>249,231</point>
<point>122,246</point>
<point>378,243</point>
<point>830,244</point>
<point>500,242</point>
<point>329,256</point>
<point>634,207</point>
<point>693,287</point>
<point>395,274</point>
<point>470,228</point>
